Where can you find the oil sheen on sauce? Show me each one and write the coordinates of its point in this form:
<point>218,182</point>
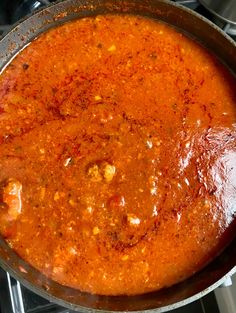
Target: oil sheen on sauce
<point>117,155</point>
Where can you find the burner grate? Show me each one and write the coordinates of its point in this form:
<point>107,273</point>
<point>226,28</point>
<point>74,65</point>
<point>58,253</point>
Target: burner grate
<point>15,298</point>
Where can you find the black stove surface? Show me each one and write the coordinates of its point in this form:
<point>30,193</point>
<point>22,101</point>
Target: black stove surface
<point>15,298</point>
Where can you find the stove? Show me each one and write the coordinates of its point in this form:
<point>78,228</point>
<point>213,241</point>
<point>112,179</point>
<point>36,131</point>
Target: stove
<point>15,298</point>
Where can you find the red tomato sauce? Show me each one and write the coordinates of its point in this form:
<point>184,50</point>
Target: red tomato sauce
<point>117,155</point>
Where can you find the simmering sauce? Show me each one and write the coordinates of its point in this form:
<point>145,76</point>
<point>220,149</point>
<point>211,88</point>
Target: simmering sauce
<point>117,155</point>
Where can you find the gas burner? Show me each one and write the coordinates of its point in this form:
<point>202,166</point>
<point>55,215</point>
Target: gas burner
<point>224,10</point>
<point>230,29</point>
<point>223,14</point>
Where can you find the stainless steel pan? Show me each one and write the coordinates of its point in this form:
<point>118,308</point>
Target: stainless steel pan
<point>211,37</point>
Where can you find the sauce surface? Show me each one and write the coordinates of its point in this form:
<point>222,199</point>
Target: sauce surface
<point>117,155</point>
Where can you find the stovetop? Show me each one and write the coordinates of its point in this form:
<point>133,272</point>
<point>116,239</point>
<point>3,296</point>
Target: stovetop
<point>15,298</point>
<point>12,11</point>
